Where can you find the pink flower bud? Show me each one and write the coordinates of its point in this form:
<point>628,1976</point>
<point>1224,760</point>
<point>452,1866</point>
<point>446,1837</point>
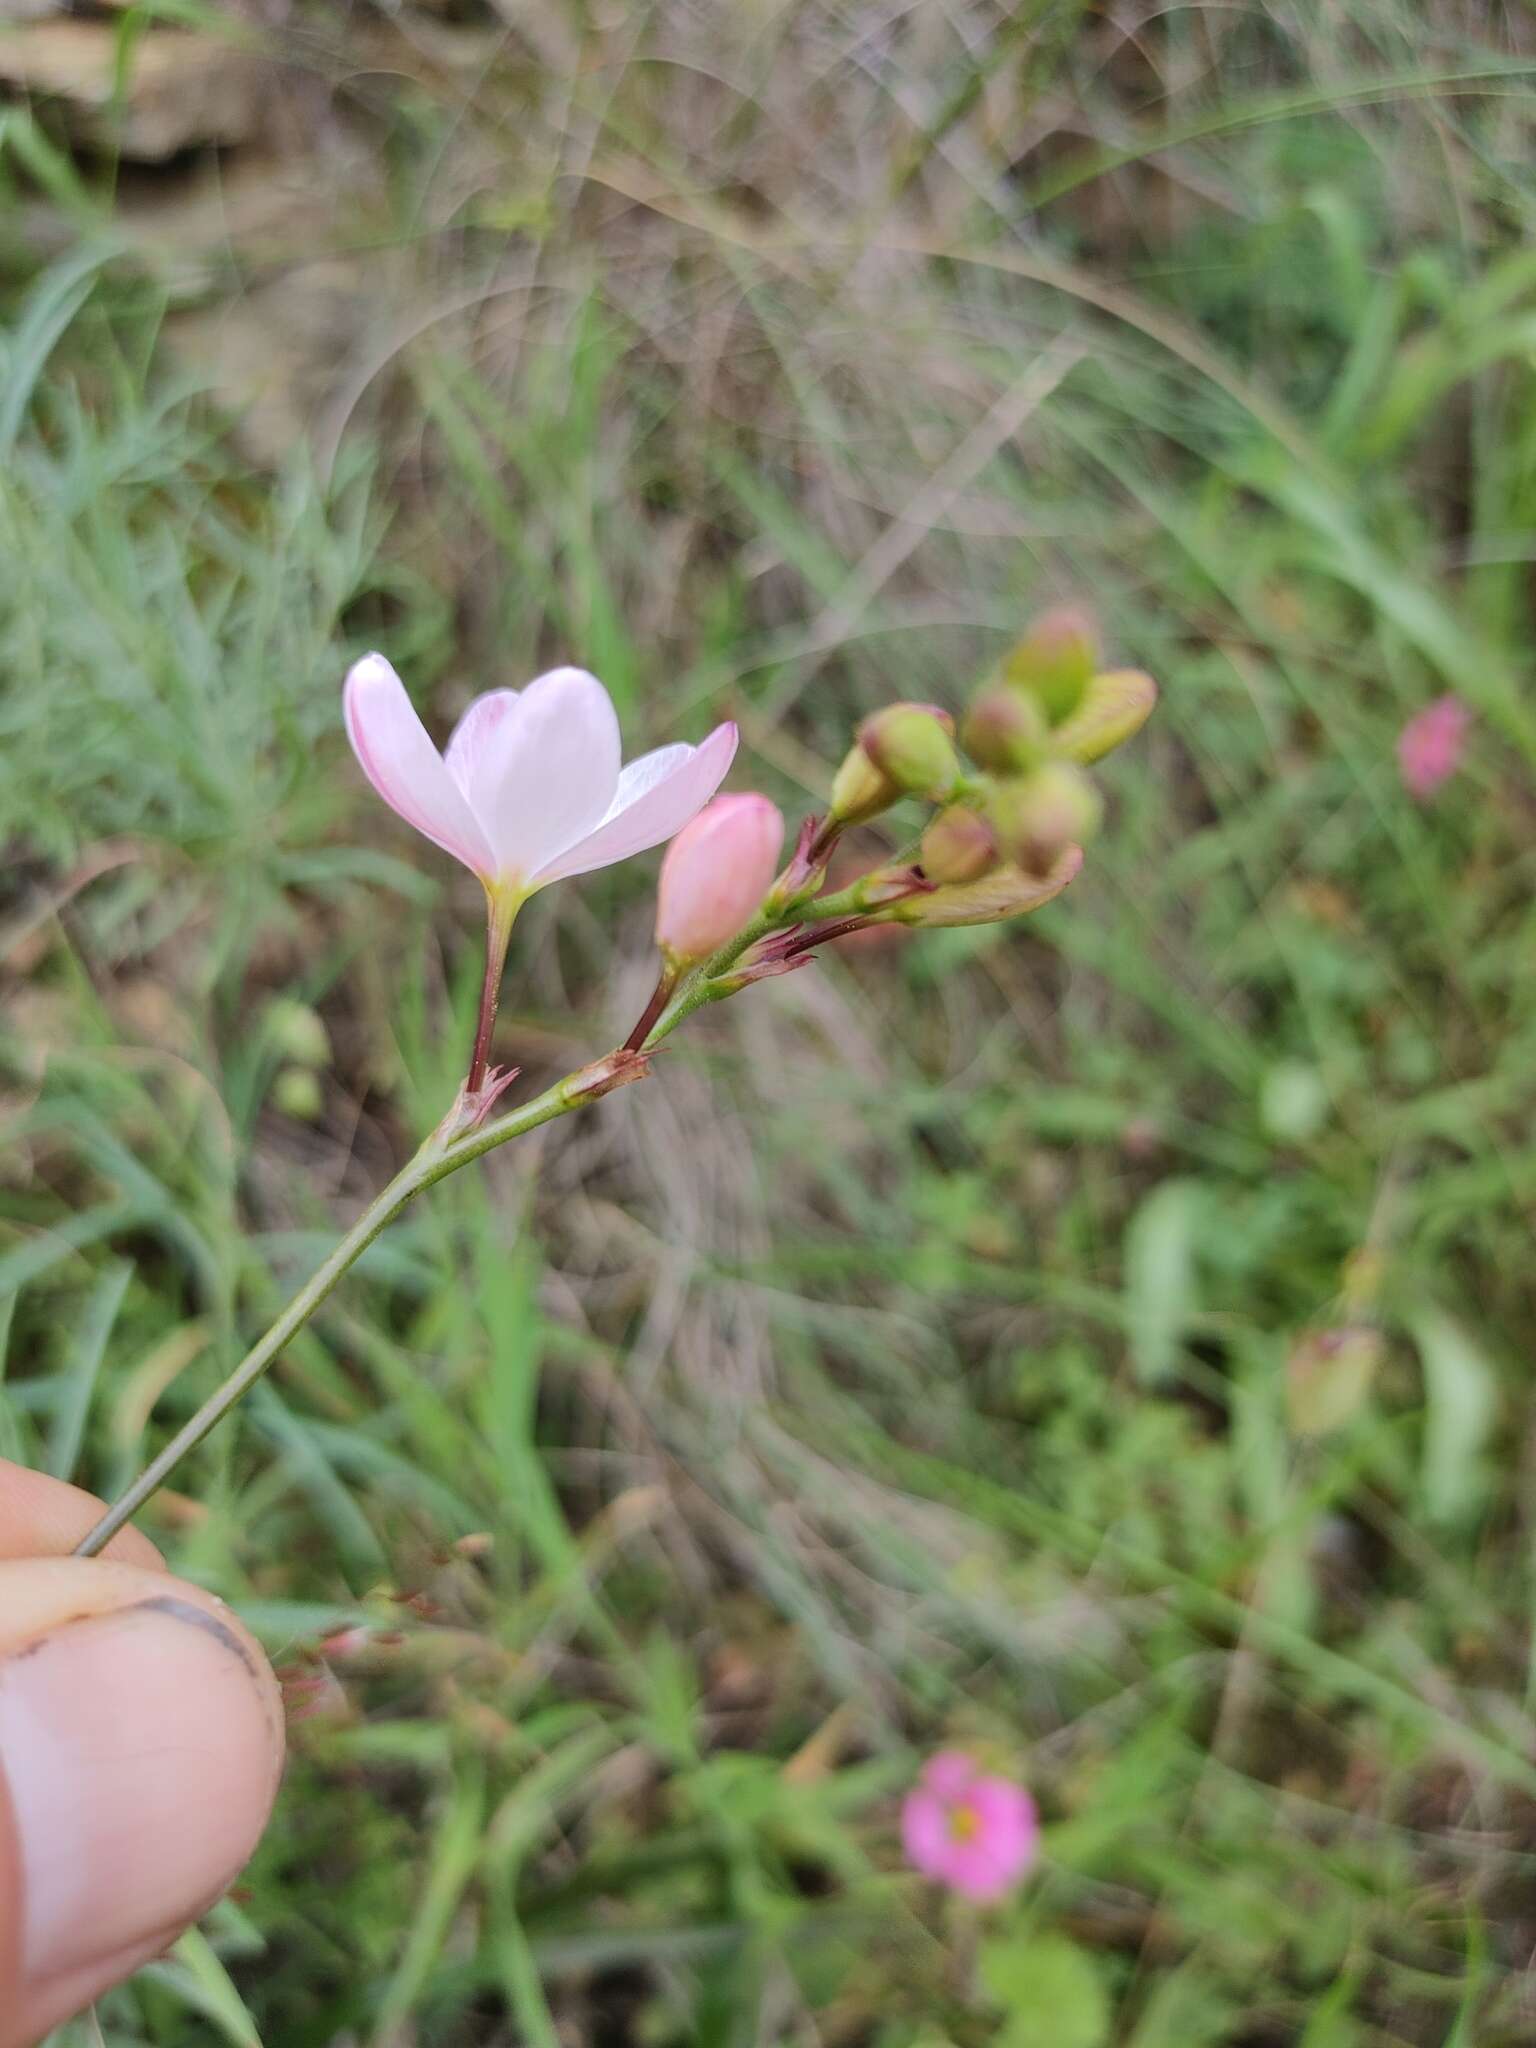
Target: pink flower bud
<point>717,871</point>
<point>1429,746</point>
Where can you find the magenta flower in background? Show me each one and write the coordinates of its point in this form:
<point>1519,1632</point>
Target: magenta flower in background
<point>529,788</point>
<point>1429,747</point>
<point>975,1833</point>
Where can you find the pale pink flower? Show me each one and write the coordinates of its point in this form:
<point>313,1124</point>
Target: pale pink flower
<point>717,871</point>
<point>975,1833</point>
<point>1429,747</point>
<point>529,788</point>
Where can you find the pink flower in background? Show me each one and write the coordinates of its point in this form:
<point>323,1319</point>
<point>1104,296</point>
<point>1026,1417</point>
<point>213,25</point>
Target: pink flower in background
<point>1429,747</point>
<point>974,1833</point>
<point>529,788</point>
<point>717,871</point>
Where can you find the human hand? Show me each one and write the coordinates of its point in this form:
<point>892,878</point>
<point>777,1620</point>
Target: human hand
<point>141,1741</point>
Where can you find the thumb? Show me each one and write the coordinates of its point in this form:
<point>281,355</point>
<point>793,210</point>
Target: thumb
<point>140,1746</point>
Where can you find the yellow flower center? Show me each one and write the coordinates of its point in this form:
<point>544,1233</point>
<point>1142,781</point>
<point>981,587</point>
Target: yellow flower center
<point>964,1823</point>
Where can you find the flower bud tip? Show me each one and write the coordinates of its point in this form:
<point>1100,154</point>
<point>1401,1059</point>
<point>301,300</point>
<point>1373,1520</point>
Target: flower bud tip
<point>1055,660</point>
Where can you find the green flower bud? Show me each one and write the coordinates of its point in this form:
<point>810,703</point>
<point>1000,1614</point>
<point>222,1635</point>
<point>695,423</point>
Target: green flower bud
<point>297,1031</point>
<point>958,846</point>
<point>1005,892</point>
<point>912,745</point>
<point>1005,731</point>
<point>1328,1377</point>
<point>859,790</point>
<point>296,1092</point>
<point>1115,705</point>
<point>1037,817</point>
<point>1055,661</point>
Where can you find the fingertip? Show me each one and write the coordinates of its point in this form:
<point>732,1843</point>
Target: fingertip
<point>141,1744</point>
<point>44,1517</point>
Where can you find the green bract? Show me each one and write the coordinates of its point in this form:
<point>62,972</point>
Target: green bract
<point>1006,892</point>
<point>1115,706</point>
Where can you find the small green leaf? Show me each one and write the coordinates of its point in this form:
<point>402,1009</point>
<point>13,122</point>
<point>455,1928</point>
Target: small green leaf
<point>1330,2025</point>
<point>1293,1101</point>
<point>197,1977</point>
<point>1188,2009</point>
<point>78,1385</point>
<point>1050,1990</point>
<point>1160,1276</point>
<point>1461,1408</point>
<point>450,1865</point>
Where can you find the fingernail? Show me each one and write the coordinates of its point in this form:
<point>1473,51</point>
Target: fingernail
<point>141,1753</point>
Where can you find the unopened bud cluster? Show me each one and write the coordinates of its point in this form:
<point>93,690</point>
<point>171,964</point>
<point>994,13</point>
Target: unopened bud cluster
<point>1046,712</point>
<point>1011,806</point>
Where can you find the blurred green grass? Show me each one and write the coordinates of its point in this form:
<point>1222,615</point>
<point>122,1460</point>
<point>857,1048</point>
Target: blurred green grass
<point>908,1362</point>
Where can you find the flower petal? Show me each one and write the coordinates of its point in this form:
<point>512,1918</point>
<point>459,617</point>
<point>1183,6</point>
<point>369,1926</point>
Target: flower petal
<point>925,1832</point>
<point>470,740</point>
<point>548,772</point>
<point>1429,747</point>
<point>643,773</point>
<point>1006,1825</point>
<point>976,1871</point>
<point>950,1773</point>
<point>661,792</point>
<point>399,759</point>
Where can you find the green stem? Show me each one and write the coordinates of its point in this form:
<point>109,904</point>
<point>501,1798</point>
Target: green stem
<point>694,990</point>
<point>666,981</point>
<point>501,908</point>
<point>442,1154</point>
<point>847,902</point>
<point>449,1148</point>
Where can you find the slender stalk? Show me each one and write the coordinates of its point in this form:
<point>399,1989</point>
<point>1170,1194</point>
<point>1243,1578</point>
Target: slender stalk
<point>846,901</point>
<point>694,990</point>
<point>819,934</point>
<point>666,981</point>
<point>442,1154</point>
<point>500,914</point>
